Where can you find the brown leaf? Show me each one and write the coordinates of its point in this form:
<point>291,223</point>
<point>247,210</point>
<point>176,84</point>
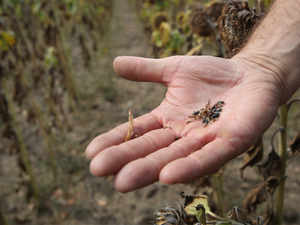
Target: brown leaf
<point>271,167</point>
<point>130,131</point>
<point>260,193</point>
<point>199,22</point>
<point>253,156</point>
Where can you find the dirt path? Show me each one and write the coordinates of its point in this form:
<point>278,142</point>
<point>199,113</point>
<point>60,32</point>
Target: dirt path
<point>126,34</point>
<point>125,37</point>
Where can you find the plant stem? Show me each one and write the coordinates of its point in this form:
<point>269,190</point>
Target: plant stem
<point>282,148</point>
<point>217,180</point>
<point>68,80</point>
<point>24,154</point>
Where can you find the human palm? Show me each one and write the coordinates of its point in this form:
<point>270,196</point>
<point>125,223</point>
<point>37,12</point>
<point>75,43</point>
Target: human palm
<point>172,148</point>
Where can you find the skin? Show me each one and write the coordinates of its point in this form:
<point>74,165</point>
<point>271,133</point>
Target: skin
<point>253,85</point>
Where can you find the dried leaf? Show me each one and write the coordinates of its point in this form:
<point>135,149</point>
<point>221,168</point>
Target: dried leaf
<point>294,145</point>
<point>130,131</point>
<point>271,167</point>
<point>260,193</point>
<point>199,22</point>
<point>253,156</point>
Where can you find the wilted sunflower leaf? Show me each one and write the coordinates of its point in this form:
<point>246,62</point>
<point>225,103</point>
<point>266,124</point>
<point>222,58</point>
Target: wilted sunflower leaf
<point>253,156</point>
<point>271,167</point>
<point>260,193</point>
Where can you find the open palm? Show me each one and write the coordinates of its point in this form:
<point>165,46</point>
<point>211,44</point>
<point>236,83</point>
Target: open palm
<point>172,150</point>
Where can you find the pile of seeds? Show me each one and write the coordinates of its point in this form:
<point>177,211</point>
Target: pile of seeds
<point>208,114</point>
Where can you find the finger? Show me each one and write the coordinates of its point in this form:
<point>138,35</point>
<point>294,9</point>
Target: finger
<point>116,136</point>
<point>111,160</point>
<point>202,162</point>
<point>145,69</point>
<point>145,171</point>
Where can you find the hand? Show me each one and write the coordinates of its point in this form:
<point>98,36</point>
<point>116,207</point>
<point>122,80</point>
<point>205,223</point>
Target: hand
<point>168,148</point>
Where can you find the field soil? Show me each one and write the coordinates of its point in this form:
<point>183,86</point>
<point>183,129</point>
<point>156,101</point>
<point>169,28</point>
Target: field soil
<point>83,199</point>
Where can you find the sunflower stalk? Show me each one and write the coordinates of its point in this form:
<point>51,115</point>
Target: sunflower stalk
<point>282,148</point>
<point>24,153</point>
<point>64,60</point>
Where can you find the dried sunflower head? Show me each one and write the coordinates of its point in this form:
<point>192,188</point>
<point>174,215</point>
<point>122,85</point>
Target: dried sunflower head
<point>199,23</point>
<point>214,9</point>
<point>235,24</point>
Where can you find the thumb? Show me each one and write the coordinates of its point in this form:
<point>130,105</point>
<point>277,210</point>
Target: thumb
<point>146,69</point>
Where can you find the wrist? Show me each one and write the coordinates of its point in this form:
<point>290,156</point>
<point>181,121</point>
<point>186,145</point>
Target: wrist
<point>284,76</point>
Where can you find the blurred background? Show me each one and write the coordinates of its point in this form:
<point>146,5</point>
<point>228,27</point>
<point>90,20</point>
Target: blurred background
<point>58,91</point>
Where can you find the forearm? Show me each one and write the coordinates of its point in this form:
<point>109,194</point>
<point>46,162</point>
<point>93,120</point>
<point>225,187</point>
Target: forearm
<point>275,45</point>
